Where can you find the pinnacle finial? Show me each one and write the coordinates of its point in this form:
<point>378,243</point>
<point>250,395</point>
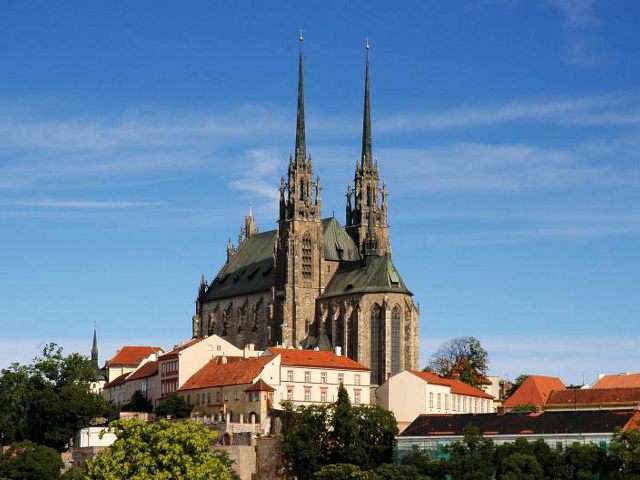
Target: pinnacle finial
<point>300,34</point>
<point>301,144</point>
<point>366,121</point>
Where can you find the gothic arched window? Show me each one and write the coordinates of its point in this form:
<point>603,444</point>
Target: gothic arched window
<point>396,334</point>
<point>306,257</point>
<point>377,342</point>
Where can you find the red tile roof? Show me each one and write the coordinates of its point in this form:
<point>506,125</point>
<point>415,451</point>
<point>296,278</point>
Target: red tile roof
<point>634,423</point>
<point>149,369</point>
<point>594,397</point>
<point>457,387</point>
<point>623,380</point>
<point>215,374</point>
<point>178,348</point>
<point>260,386</point>
<point>315,358</point>
<point>117,381</point>
<point>131,355</point>
<point>535,390</point>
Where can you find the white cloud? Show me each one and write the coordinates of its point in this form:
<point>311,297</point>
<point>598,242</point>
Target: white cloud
<point>579,18</point>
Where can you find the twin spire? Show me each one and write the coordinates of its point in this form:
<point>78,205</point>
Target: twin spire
<point>301,144</point>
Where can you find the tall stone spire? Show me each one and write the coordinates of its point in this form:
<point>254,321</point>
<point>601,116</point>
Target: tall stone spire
<point>367,156</point>
<point>301,143</point>
<point>94,350</point>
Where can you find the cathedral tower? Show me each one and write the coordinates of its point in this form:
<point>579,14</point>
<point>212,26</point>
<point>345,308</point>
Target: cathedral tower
<point>299,249</point>
<point>366,212</point>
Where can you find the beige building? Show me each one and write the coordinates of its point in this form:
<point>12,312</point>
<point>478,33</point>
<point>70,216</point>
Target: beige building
<point>410,394</point>
<point>126,360</point>
<point>182,361</point>
<point>311,282</point>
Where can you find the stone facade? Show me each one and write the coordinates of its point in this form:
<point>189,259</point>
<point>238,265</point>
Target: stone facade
<point>311,282</point>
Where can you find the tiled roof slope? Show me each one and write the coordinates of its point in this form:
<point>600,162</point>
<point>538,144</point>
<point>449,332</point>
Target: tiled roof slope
<point>594,397</point>
<point>315,358</point>
<point>131,355</point>
<point>178,348</point>
<point>149,369</point>
<point>570,422</point>
<point>338,245</point>
<point>373,274</point>
<point>260,386</point>
<point>623,380</point>
<point>457,387</point>
<point>117,381</point>
<point>535,390</point>
<point>215,374</point>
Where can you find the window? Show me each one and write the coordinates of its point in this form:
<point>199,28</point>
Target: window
<point>306,257</point>
<point>439,401</point>
<point>208,397</point>
<point>430,399</point>
<point>226,397</point>
<point>464,404</point>
<point>197,399</point>
<point>290,393</point>
<point>307,394</point>
<point>289,375</point>
<point>356,379</point>
<point>323,395</point>
<point>446,401</point>
<point>217,396</point>
<point>341,378</point>
<point>218,347</point>
<point>396,334</point>
<point>356,397</point>
<point>189,399</point>
<point>377,342</point>
<point>237,395</point>
<point>307,376</point>
<point>475,405</point>
<point>323,377</point>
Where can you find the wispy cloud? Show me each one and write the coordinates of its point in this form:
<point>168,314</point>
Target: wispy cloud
<point>579,17</point>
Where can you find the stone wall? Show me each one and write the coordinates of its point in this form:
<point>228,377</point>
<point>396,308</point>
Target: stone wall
<point>244,458</point>
<point>269,463</point>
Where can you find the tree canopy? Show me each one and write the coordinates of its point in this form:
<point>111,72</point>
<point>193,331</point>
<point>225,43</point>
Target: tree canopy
<point>463,353</point>
<point>28,461</point>
<point>173,405</point>
<point>159,451</point>
<point>48,401</point>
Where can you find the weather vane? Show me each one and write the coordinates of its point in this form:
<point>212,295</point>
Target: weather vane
<point>367,45</point>
<point>301,34</point>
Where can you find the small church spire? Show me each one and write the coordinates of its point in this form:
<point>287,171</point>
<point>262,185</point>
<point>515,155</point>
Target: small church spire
<point>301,143</point>
<point>366,121</point>
<point>94,350</point>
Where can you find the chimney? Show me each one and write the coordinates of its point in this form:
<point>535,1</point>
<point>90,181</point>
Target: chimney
<point>223,359</point>
<point>338,351</point>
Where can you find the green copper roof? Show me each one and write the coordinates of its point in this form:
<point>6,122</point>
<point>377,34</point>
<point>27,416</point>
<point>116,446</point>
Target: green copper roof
<point>373,274</point>
<point>338,245</point>
<point>249,271</point>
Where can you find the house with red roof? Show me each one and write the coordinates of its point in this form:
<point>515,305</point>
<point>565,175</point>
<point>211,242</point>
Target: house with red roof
<point>594,399</point>
<point>535,390</point>
<point>127,359</point>
<point>412,393</point>
<point>621,380</point>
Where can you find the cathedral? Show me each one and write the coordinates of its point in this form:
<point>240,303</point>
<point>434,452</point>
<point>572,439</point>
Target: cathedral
<point>311,282</point>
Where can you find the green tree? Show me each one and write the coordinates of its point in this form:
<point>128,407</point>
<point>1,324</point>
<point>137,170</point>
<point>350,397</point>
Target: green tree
<point>48,401</point>
<point>462,350</point>
<point>345,444</point>
<point>343,471</point>
<point>158,451</point>
<point>399,472</point>
<point>138,403</point>
<point>377,429</point>
<point>471,459</point>
<point>427,466</point>
<point>520,466</point>
<point>584,461</point>
<point>28,461</point>
<point>624,451</point>
<point>524,408</point>
<point>174,405</point>
<point>305,438</point>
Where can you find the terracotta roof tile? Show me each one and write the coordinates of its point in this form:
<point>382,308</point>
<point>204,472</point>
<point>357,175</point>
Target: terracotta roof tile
<point>117,381</point>
<point>590,396</point>
<point>132,355</point>
<point>149,369</point>
<point>260,386</point>
<point>178,348</point>
<point>535,390</point>
<point>315,358</point>
<point>623,380</point>
<point>457,387</point>
<point>215,374</point>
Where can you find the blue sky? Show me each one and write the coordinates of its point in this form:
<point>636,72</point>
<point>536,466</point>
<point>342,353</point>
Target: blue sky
<point>134,136</point>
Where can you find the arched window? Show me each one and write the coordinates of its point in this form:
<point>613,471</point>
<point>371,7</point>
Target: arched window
<point>377,342</point>
<point>396,333</point>
<point>306,257</point>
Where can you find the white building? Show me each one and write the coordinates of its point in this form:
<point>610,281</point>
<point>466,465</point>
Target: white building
<point>409,394</point>
<point>90,437</point>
